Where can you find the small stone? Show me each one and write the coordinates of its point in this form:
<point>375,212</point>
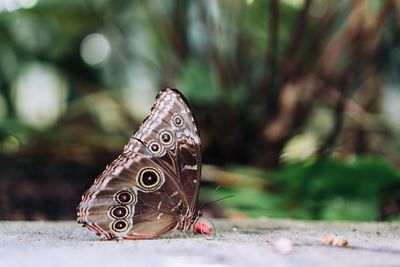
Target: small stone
<point>283,246</point>
<point>327,239</point>
<point>340,242</point>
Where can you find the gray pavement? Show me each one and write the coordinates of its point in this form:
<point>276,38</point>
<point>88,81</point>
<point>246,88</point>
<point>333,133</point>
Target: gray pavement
<point>236,243</point>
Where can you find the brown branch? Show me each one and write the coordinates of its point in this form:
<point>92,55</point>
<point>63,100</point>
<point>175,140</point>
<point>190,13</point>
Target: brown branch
<point>312,53</point>
<point>294,47</point>
<point>337,126</point>
<point>271,59</point>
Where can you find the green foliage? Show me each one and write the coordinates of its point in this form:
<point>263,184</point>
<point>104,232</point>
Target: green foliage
<point>199,83</point>
<point>347,208</point>
<point>326,190</point>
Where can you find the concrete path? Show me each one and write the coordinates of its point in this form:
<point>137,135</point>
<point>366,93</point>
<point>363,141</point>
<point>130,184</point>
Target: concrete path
<point>236,243</point>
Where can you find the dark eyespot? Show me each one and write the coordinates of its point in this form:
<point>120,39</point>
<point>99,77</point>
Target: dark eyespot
<point>166,138</point>
<point>119,212</point>
<point>155,147</point>
<point>120,225</point>
<point>149,179</point>
<point>178,121</point>
<point>125,197</point>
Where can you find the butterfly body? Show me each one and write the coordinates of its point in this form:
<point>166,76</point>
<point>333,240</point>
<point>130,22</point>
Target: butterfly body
<point>152,187</point>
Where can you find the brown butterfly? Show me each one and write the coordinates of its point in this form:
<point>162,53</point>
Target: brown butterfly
<point>152,187</point>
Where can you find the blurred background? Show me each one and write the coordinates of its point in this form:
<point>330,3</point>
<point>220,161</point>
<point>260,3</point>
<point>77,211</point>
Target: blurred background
<point>298,101</point>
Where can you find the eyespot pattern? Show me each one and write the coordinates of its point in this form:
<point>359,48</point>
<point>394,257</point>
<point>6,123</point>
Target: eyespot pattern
<point>124,209</point>
<point>177,121</point>
<point>119,225</point>
<point>166,138</point>
<point>119,212</point>
<point>125,197</point>
<point>155,148</point>
<point>149,179</point>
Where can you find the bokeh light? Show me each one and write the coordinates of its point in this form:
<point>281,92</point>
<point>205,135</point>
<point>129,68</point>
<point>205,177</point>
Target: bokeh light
<point>39,95</point>
<point>13,5</point>
<point>95,49</point>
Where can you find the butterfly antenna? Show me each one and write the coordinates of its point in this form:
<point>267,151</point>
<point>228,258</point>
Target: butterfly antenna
<point>215,201</point>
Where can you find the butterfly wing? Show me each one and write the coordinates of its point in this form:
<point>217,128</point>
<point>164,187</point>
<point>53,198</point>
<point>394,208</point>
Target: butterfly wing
<point>153,185</point>
<point>172,121</point>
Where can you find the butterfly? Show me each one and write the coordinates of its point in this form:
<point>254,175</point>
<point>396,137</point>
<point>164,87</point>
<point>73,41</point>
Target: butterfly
<point>152,187</point>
